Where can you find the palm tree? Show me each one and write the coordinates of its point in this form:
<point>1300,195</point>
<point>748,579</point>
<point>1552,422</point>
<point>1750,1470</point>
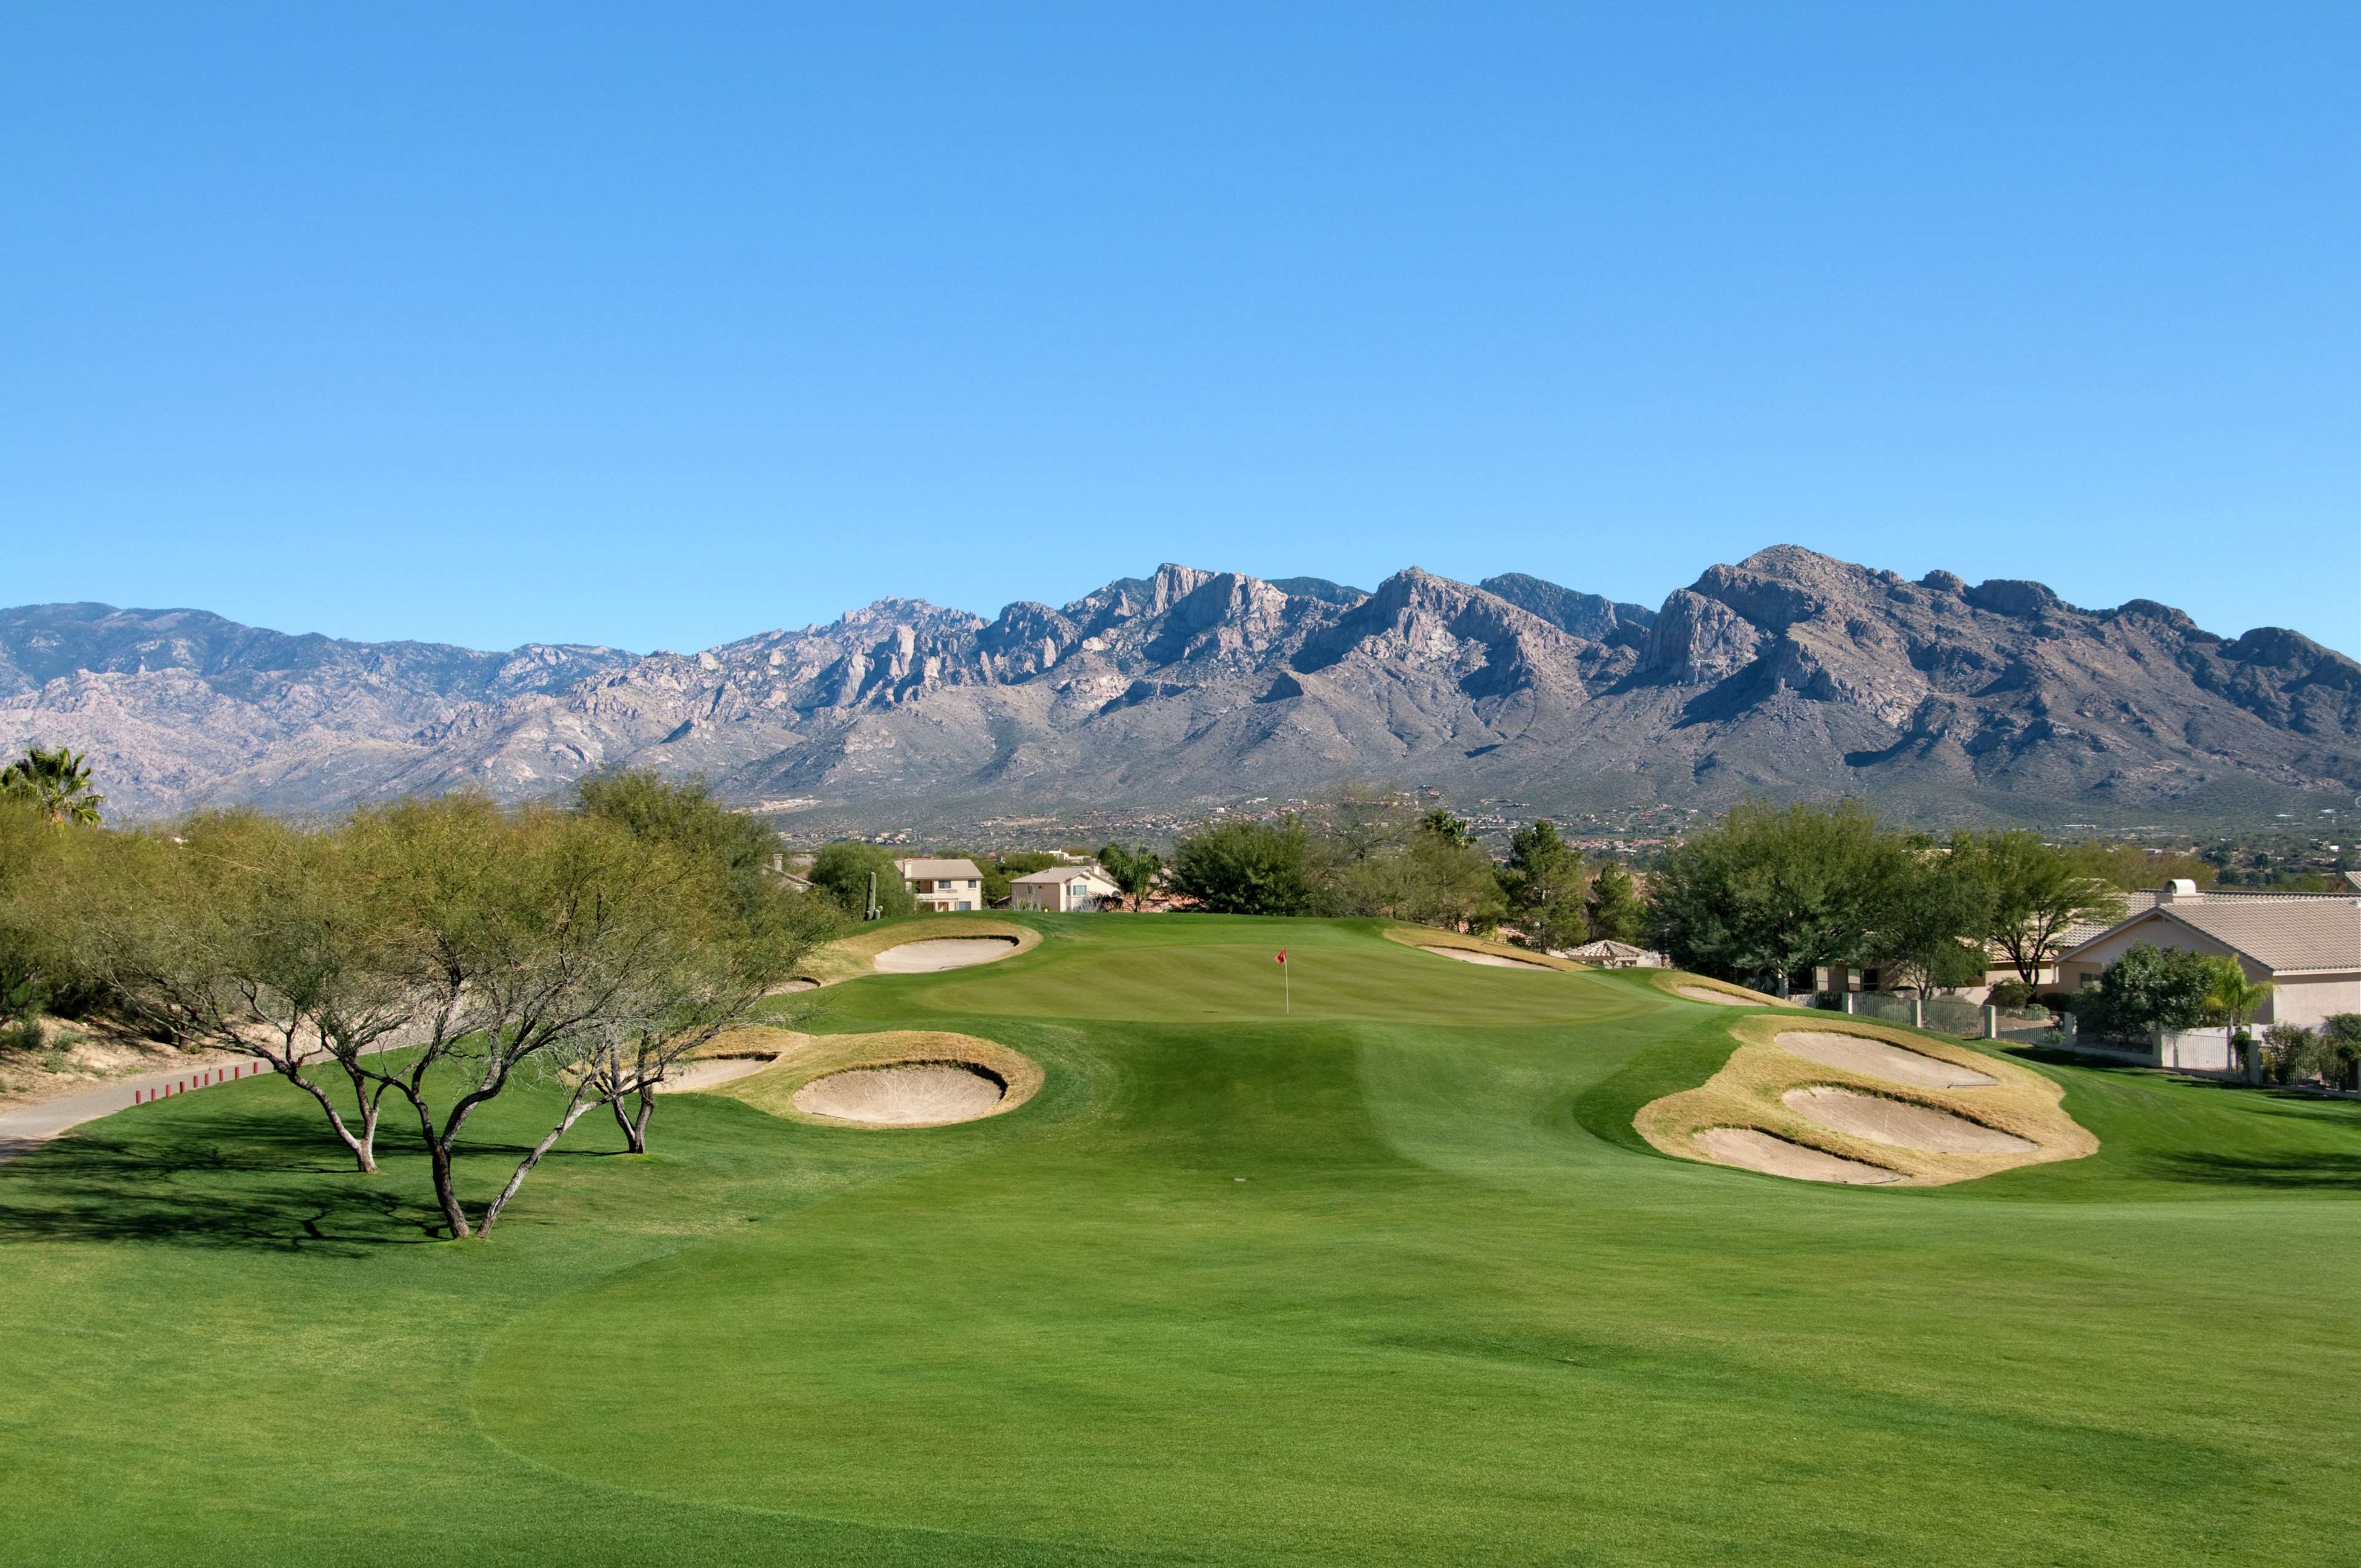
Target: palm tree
<point>57,783</point>
<point>2236,997</point>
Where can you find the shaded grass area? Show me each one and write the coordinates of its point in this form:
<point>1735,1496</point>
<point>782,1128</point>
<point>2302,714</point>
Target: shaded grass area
<point>1454,1313</point>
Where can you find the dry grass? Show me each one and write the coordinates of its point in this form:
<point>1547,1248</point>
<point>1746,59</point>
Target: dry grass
<point>851,958</point>
<point>1428,936</point>
<point>803,1057</point>
<point>1746,1093</point>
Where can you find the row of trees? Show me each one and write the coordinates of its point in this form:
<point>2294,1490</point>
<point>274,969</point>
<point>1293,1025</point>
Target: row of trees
<point>429,955</point>
<point>1771,891</point>
<point>1368,853</point>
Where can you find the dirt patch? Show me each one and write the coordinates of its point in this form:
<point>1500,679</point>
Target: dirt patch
<point>1968,1130</point>
<point>1475,956</point>
<point>807,1061</point>
<point>1754,1149</point>
<point>930,954</point>
<point>913,1095</point>
<point>1902,1123</point>
<point>1880,1059</point>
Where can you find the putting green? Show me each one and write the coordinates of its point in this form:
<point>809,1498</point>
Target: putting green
<point>1391,1280</point>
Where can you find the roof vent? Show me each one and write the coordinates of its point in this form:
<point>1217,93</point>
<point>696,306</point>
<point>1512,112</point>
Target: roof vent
<point>2179,888</point>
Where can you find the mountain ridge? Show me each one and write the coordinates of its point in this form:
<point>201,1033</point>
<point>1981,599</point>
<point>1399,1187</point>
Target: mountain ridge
<point>1787,673</point>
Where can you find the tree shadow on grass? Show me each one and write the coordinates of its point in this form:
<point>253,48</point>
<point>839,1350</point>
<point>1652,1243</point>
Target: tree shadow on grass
<point>227,1180</point>
<point>2290,1173</point>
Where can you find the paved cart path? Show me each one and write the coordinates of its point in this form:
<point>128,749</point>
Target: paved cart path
<point>25,1127</point>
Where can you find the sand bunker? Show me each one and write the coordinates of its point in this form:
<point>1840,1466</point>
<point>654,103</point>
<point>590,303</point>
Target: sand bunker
<point>1755,1150</point>
<point>941,953</point>
<point>687,1078</point>
<point>1876,1059</point>
<point>1899,1123</point>
<point>1470,956</point>
<point>907,1094</point>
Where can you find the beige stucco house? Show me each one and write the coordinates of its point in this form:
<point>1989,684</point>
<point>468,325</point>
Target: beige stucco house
<point>943,886</point>
<point>2307,945</point>
<point>1064,889</point>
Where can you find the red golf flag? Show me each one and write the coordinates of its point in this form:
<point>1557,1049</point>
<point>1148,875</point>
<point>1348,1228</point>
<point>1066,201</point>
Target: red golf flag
<point>1282,956</point>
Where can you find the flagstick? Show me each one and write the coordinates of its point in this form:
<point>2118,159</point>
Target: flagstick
<point>1287,989</point>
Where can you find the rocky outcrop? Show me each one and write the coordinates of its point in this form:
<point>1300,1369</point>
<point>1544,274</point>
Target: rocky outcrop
<point>1788,672</point>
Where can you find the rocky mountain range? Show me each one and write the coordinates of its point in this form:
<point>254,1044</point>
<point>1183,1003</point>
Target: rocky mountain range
<point>1789,674</point>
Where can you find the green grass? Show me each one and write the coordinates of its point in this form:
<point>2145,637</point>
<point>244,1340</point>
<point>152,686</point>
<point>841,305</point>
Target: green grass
<point>1454,1313</point>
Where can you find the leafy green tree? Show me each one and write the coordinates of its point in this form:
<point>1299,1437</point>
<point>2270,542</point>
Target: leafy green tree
<point>2034,893</point>
<point>842,871</point>
<point>1133,870</point>
<point>2149,988</point>
<point>1544,870</point>
<point>686,814</point>
<point>1239,867</point>
<point>57,783</point>
<point>1771,889</point>
<point>1935,930</point>
<point>1615,912</point>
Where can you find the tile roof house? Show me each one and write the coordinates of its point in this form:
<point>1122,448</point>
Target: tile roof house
<point>1066,889</point>
<point>2306,944</point>
<point>1615,955</point>
<point>943,885</point>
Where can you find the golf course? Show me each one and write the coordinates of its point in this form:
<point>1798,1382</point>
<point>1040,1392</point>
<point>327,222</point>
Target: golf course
<point>1386,1277</point>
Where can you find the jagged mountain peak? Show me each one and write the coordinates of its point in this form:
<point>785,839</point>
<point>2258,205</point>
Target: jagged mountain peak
<point>1790,671</point>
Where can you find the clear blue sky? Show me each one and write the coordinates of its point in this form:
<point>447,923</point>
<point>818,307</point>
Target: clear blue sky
<point>661,326</point>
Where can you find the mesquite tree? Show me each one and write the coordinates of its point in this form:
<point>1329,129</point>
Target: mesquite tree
<point>522,933</point>
<point>247,935</point>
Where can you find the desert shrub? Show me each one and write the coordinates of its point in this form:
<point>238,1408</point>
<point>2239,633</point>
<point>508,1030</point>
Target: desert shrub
<point>2293,1054</point>
<point>2340,1035</point>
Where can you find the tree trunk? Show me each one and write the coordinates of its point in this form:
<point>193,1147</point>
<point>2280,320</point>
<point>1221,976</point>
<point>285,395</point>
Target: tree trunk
<point>525,1167</point>
<point>362,1148</point>
<point>635,1126</point>
<point>438,1160</point>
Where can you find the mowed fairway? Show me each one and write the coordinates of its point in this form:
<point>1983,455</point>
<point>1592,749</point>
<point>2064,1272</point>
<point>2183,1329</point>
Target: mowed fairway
<point>1390,1280</point>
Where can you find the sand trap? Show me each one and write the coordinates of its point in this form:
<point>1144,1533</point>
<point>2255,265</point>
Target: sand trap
<point>1470,956</point>
<point>1754,1149</point>
<point>1857,1053</point>
<point>1726,998</point>
<point>685,1077</point>
<point>1897,1121</point>
<point>909,1094</point>
<point>941,953</point>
